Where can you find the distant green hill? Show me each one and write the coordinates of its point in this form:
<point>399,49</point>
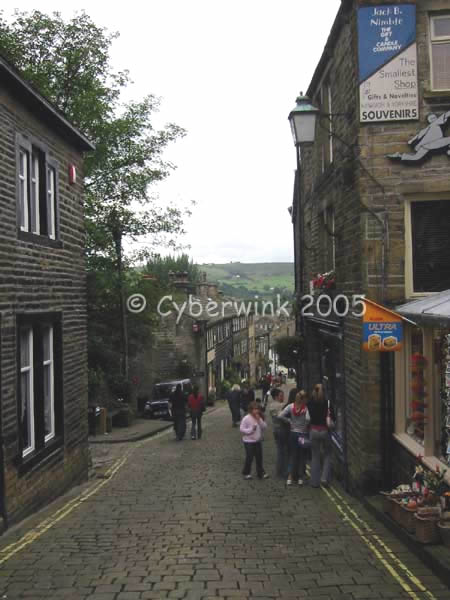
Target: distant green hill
<point>247,279</point>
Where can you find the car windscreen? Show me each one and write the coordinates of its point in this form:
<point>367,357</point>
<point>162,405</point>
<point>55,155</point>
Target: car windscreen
<point>162,391</point>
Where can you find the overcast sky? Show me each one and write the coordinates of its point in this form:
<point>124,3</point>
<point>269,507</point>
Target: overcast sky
<point>229,73</point>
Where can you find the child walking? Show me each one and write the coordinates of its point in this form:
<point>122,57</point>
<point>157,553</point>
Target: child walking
<point>252,427</point>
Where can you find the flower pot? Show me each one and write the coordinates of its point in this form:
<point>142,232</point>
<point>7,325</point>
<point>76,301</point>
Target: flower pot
<point>427,531</point>
<point>444,531</point>
<point>405,517</point>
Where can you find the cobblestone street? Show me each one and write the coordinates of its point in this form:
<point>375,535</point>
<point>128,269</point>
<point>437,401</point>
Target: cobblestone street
<point>177,520</point>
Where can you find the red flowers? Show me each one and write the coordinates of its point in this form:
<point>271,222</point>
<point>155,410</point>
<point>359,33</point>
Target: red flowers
<point>325,281</point>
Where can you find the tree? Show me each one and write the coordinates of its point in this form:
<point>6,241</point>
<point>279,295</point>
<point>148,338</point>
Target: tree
<point>289,349</point>
<point>160,267</point>
<point>69,63</point>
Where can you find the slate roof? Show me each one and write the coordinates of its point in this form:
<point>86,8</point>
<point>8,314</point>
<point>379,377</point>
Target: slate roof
<point>433,310</point>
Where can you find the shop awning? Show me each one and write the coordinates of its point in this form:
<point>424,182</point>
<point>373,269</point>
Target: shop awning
<point>433,310</point>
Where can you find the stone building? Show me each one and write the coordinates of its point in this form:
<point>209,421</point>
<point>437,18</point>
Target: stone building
<point>209,337</point>
<point>371,216</point>
<point>263,328</point>
<point>43,358</point>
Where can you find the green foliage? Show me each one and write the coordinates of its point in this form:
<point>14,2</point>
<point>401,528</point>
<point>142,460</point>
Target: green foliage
<point>161,266</point>
<point>246,280</point>
<point>289,350</point>
<point>232,375</point>
<point>127,161</point>
<point>69,63</point>
<point>104,335</point>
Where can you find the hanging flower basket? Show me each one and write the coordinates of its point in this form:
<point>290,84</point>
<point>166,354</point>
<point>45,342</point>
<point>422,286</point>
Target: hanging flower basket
<point>418,359</point>
<point>325,281</point>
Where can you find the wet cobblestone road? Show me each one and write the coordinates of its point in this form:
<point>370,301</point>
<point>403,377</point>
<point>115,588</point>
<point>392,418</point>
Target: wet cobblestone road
<point>176,520</point>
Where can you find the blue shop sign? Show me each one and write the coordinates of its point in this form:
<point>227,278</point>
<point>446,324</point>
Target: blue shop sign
<point>384,32</point>
<point>383,337</point>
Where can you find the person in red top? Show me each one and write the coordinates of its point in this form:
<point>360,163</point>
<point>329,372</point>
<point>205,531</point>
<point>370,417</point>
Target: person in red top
<point>322,418</point>
<point>196,406</point>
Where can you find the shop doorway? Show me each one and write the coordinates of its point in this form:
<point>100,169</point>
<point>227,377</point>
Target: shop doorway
<point>332,377</point>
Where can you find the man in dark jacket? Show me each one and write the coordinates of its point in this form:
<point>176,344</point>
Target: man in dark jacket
<point>178,407</point>
<point>265,388</point>
<point>234,402</point>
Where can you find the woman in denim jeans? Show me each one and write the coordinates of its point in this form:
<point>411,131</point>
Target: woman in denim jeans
<point>320,437</point>
<point>297,415</point>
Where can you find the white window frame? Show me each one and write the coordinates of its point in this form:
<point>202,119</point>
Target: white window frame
<point>30,371</point>
<point>51,201</point>
<point>35,226</point>
<point>402,387</point>
<point>50,365</point>
<point>24,157</point>
<point>435,41</point>
<point>34,164</point>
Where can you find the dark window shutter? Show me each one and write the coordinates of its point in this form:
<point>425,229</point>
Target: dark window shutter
<point>430,222</point>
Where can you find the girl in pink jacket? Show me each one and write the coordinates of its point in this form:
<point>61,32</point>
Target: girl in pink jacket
<point>252,427</point>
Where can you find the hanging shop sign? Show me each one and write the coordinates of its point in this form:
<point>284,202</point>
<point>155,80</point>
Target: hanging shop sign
<point>382,329</point>
<point>387,52</point>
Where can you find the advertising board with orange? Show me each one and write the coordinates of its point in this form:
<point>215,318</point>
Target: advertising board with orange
<point>382,329</point>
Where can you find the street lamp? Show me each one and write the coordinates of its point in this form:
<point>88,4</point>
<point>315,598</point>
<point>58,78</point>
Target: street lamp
<point>303,120</point>
<point>303,125</point>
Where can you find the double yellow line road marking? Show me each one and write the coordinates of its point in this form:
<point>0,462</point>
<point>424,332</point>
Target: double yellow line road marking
<point>390,561</point>
<point>35,533</point>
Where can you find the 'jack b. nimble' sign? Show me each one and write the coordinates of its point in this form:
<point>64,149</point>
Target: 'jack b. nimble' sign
<point>387,63</point>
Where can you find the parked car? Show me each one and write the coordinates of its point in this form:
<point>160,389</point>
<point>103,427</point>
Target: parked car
<point>158,406</point>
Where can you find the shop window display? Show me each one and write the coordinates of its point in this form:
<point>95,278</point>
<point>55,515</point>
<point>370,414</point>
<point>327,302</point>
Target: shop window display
<point>416,408</point>
<point>445,396</point>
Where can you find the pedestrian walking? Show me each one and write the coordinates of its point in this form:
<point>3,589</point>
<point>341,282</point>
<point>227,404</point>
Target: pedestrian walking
<point>297,415</point>
<point>265,387</point>
<point>322,417</point>
<point>234,402</point>
<point>247,396</point>
<point>196,405</point>
<point>252,427</point>
<point>178,407</point>
<point>281,431</point>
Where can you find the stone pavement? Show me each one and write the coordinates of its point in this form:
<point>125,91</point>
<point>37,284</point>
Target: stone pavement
<point>106,448</point>
<point>177,520</point>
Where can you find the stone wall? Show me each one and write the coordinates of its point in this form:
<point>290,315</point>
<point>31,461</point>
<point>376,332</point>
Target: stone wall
<point>35,278</point>
<point>366,189</point>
